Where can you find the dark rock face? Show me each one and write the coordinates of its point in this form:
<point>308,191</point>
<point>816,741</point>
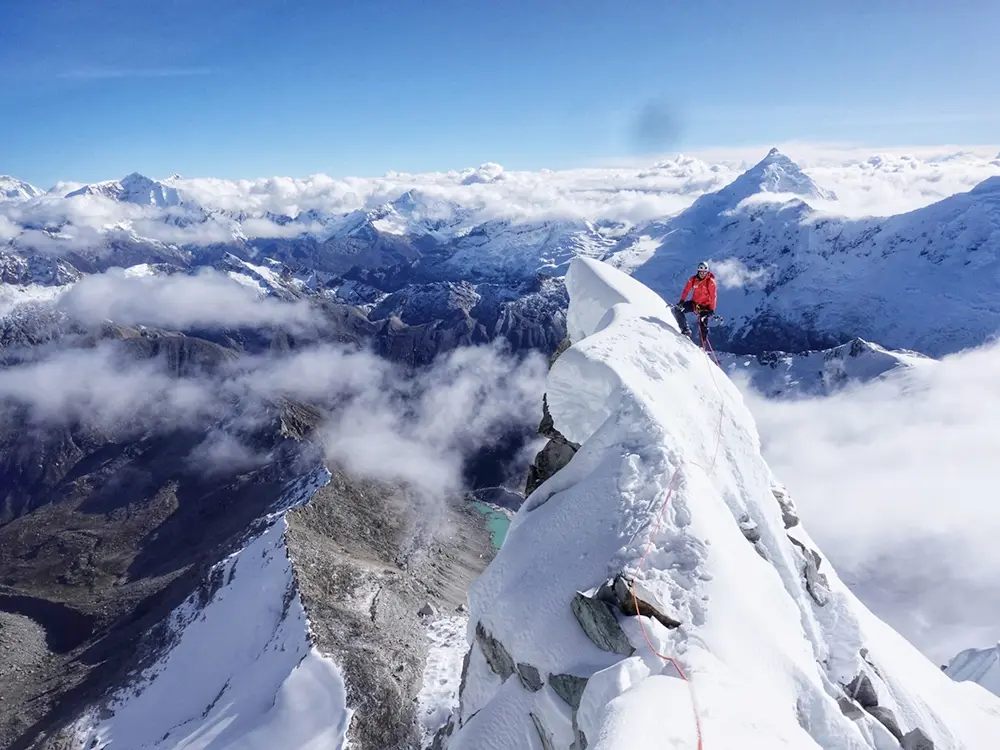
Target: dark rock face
<point>554,456</point>
<point>788,513</point>
<point>599,623</point>
<point>887,719</point>
<point>816,583</point>
<point>529,677</point>
<point>568,687</point>
<point>917,740</point>
<point>496,655</point>
<point>862,690</point>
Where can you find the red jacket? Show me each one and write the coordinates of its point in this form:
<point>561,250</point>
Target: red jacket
<point>704,290</point>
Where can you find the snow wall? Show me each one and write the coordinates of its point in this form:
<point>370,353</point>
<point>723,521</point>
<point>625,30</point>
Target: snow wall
<point>778,653</point>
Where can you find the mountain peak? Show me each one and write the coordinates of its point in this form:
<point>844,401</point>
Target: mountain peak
<point>133,188</point>
<point>12,188</point>
<point>776,173</point>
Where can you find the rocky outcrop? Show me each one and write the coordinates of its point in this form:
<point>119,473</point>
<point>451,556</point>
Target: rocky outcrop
<point>529,677</point>
<point>600,624</point>
<point>496,655</point>
<point>619,594</point>
<point>553,456</point>
<point>887,719</point>
<point>816,583</point>
<point>788,513</point>
<point>543,734</point>
<point>862,690</point>
<point>917,740</point>
<point>568,687</point>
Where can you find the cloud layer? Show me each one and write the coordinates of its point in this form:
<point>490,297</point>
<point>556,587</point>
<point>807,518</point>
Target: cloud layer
<point>207,299</point>
<point>383,422</point>
<point>895,480</point>
<point>867,182</point>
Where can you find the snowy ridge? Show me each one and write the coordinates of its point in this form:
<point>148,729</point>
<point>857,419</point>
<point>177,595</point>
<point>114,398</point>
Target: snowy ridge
<point>769,636</point>
<point>237,669</point>
<point>133,188</point>
<point>13,189</point>
<point>818,373</point>
<point>979,665</point>
<point>797,277</point>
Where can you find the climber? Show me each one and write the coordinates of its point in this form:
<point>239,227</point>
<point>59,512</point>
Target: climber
<point>702,302</point>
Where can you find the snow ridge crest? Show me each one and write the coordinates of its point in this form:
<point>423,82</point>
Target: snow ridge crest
<point>777,648</point>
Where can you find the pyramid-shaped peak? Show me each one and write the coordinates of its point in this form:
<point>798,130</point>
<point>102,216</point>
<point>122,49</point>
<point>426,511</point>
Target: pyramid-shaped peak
<point>776,173</point>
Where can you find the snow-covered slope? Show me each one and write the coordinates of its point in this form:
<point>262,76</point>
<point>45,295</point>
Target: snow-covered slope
<point>793,277</point>
<point>237,668</point>
<point>13,189</point>
<point>979,665</point>
<point>817,373</point>
<point>133,188</point>
<point>669,488</point>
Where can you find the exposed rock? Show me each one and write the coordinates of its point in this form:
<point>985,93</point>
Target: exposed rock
<point>863,691</point>
<point>915,739</point>
<point>568,687</point>
<point>496,655</point>
<point>461,608</point>
<point>441,736</point>
<point>816,583</point>
<point>618,593</point>
<point>581,741</point>
<point>788,514</point>
<point>543,733</point>
<point>553,456</point>
<point>563,346</point>
<point>850,709</point>
<point>600,624</point>
<point>550,459</point>
<point>888,719</point>
<point>749,529</point>
<point>529,677</point>
<point>427,610</point>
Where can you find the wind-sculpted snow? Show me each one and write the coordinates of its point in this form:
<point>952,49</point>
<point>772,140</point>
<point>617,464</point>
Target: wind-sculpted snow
<point>769,636</point>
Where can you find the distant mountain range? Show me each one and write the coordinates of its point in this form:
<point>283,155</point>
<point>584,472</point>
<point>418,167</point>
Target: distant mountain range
<point>793,276</point>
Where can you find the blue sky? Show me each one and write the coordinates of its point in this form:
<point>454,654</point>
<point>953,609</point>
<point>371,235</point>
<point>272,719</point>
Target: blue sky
<point>94,90</point>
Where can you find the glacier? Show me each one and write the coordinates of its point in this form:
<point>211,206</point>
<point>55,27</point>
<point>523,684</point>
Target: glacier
<point>776,650</point>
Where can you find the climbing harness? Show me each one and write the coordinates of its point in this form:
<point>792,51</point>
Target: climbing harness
<point>706,347</point>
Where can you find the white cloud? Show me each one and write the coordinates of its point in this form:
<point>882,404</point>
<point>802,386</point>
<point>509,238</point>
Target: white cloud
<point>867,181</point>
<point>895,481</point>
<point>733,274</point>
<point>207,299</point>
<point>383,422</point>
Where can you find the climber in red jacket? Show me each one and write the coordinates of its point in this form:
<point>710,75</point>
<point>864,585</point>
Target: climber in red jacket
<point>702,302</point>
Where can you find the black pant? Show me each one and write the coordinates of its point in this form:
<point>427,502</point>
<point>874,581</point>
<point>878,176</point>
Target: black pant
<point>681,310</point>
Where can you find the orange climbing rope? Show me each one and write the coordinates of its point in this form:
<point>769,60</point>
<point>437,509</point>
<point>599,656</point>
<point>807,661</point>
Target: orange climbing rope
<point>706,347</point>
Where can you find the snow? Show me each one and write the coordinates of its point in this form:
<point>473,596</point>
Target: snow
<point>766,660</point>
<point>807,276</point>
<point>442,675</point>
<point>239,670</point>
<point>13,189</point>
<point>818,373</point>
<point>15,295</point>
<point>981,666</point>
